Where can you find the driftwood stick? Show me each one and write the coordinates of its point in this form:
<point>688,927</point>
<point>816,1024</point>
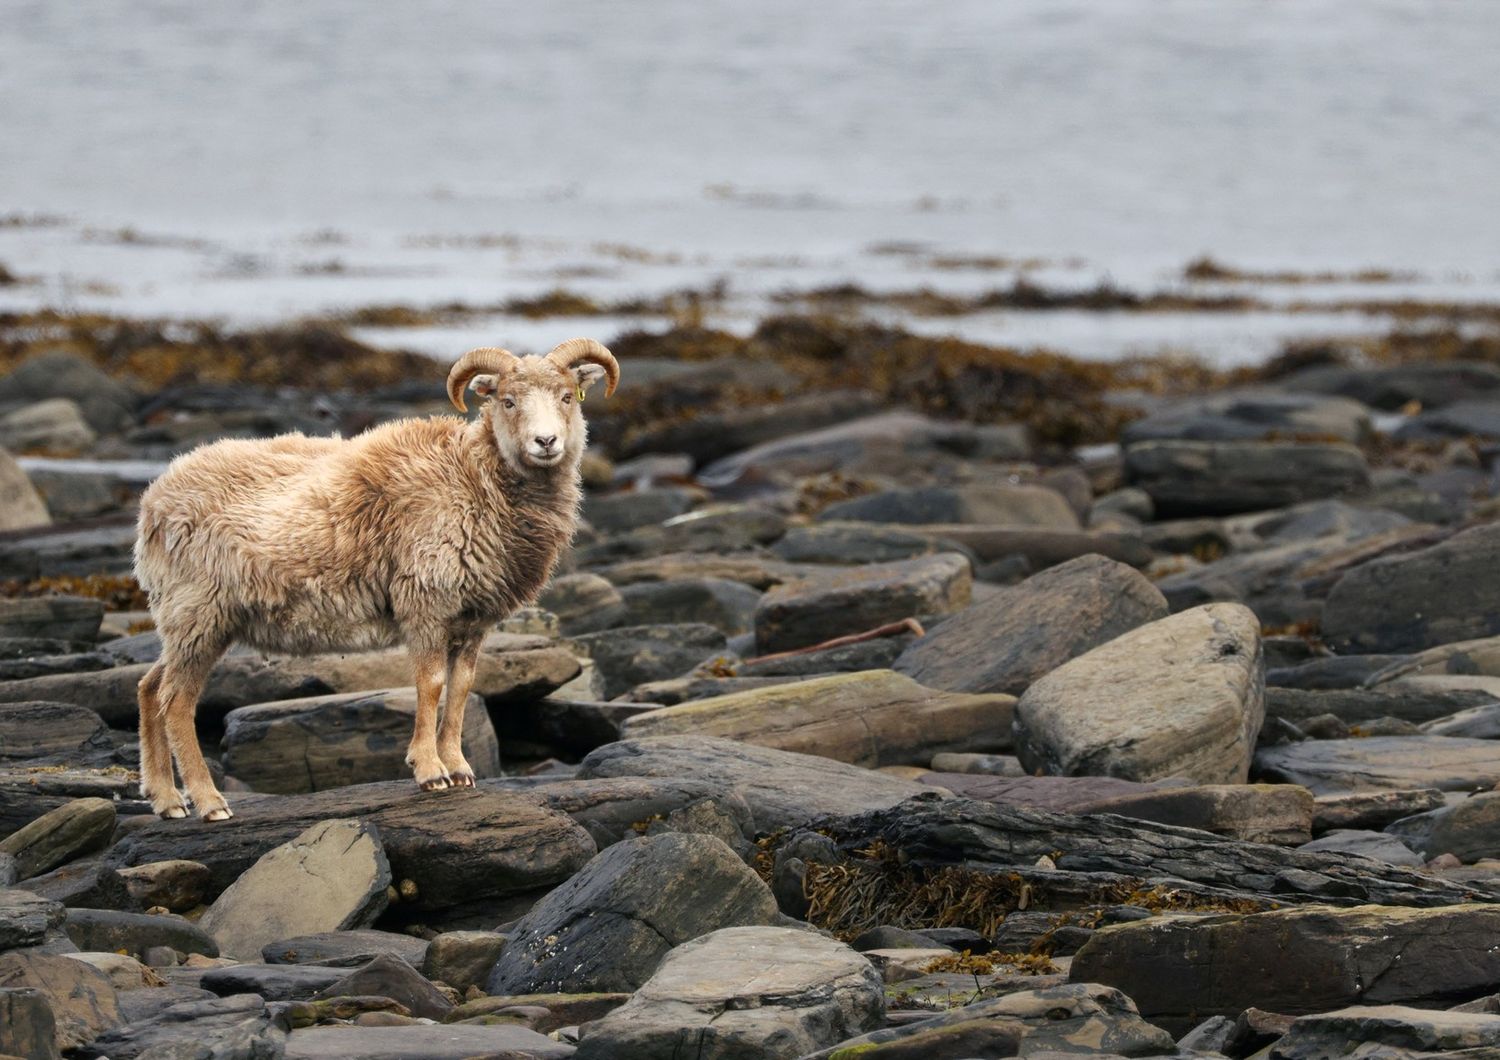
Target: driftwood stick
<point>890,629</point>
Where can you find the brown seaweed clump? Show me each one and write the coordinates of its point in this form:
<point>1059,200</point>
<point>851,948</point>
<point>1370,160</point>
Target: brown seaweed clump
<point>120,592</point>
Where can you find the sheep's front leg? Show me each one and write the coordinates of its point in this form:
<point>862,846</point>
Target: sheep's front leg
<point>462,659</point>
<point>422,754</point>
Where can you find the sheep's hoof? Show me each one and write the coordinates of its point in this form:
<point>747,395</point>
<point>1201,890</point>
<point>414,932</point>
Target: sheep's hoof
<point>170,807</point>
<point>461,779</point>
<point>172,813</point>
<point>223,813</point>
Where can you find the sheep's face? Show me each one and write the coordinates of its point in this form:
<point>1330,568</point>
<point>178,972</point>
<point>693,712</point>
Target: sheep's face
<point>535,412</point>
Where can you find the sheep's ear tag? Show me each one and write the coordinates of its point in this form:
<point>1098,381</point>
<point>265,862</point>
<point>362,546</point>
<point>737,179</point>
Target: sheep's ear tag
<point>580,395</point>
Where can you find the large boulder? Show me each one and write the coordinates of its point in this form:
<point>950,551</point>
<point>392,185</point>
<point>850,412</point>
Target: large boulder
<point>216,1027</point>
<point>1180,697</point>
<point>331,877</point>
<point>869,718</point>
<point>781,787</point>
<point>1222,478</point>
<point>321,742</point>
<point>823,606</point>
<point>27,1028</point>
<point>1416,600</point>
<point>1391,1031</point>
<point>769,992</point>
<point>21,506</point>
<point>1295,961</point>
<point>115,931</point>
<point>81,997</point>
<point>72,830</point>
<point>609,926</point>
<point>1007,640</point>
<point>991,505</point>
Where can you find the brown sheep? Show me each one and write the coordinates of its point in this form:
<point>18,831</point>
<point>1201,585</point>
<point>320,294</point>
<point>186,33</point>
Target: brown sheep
<point>423,532</point>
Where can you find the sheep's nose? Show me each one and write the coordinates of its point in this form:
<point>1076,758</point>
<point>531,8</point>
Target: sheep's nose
<point>546,442</point>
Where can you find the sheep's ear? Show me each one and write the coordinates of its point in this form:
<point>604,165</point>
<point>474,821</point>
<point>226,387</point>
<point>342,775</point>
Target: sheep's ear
<point>587,375</point>
<point>485,385</point>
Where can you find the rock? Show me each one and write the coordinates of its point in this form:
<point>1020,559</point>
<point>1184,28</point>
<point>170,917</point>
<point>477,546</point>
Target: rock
<point>80,996</point>
<point>781,787</point>
<point>1480,723</point>
<point>1221,478</point>
<point>990,505</point>
<point>69,618</point>
<point>106,404</point>
<point>274,982</point>
<point>21,506</point>
<point>125,973</point>
<point>1249,415</point>
<point>448,1042</point>
<point>609,926</point>
<point>869,719</point>
<point>853,543</point>
<point>1389,1030</point>
<point>1007,641</point>
<point>876,654</point>
<point>1411,601</point>
<point>460,847</point>
<point>1256,813</point>
<point>1469,830</point>
<point>728,606</point>
<point>70,831</point>
<point>72,495</point>
<point>83,884</point>
<point>743,991</point>
<point>57,551</point>
<point>463,958</point>
<point>26,792</point>
<point>985,765</point>
<point>134,933</point>
<point>26,918</point>
<point>633,655</point>
<point>617,512</point>
<point>322,742</point>
<point>176,885</point>
<point>224,1027</point>
<point>1461,420</point>
<point>722,528</point>
<point>1432,384</point>
<point>1375,845</point>
<point>1344,957</point>
<point>55,426</point>
<point>821,607</point>
<point>583,603</point>
<point>1074,1018</point>
<point>653,695</point>
<point>391,977</point>
<point>1036,548</point>
<point>1332,767</point>
<point>616,808</point>
<point>1371,809</point>
<point>558,1010</point>
<point>27,1028</point>
<point>37,730</point>
<point>1406,700</point>
<point>576,726</point>
<point>345,949</point>
<point>330,878</point>
<point>753,569</point>
<point>1181,696</point>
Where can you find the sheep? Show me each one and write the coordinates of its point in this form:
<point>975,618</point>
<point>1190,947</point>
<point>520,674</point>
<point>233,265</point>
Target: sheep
<point>422,532</point>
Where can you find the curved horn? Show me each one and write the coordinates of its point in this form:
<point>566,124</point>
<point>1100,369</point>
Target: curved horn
<point>587,351</point>
<point>486,360</point>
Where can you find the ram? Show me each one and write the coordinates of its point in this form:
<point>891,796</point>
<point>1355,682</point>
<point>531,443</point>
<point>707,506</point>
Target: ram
<point>422,532</point>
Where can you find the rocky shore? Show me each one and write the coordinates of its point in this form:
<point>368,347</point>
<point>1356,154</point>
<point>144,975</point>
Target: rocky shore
<point>901,697</point>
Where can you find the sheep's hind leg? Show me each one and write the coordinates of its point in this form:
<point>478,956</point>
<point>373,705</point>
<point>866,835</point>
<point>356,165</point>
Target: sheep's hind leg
<point>422,754</point>
<point>462,659</point>
<point>185,674</point>
<point>157,783</point>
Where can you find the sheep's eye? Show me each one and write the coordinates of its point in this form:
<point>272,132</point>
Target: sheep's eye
<point>568,399</point>
<point>509,403</point>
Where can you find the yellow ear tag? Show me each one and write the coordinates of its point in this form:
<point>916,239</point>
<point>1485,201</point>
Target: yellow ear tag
<point>580,395</point>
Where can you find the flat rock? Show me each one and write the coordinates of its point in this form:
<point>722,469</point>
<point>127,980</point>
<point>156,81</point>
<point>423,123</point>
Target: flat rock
<point>728,606</point>
<point>751,568</point>
<point>1416,600</point>
<point>617,808</point>
<point>114,931</point>
<point>1251,415</point>
<point>70,618</point>
<point>1187,478</point>
<point>878,653</point>
<point>1181,696</point>
<point>871,718</point>
<point>454,1041</point>
<point>322,742</point>
<point>26,918</point>
<point>388,976</point>
<point>81,997</point>
<point>744,991</point>
<point>330,878</point>
<point>1400,1029</point>
<point>781,787</point>
<point>36,730</point>
<point>274,982</point>
<point>1469,830</point>
<point>1406,700</point>
<point>991,505</point>
<point>574,725</point>
<point>240,1026</point>
<point>1333,767</point>
<point>653,695</point>
<point>634,655</point>
<point>1006,641</point>
<point>821,607</point>
<point>707,437</point>
<point>1256,813</point>
<point>1432,384</point>
<point>1377,845</point>
<point>1367,954</point>
<point>58,836</point>
<point>345,949</point>
<point>609,926</point>
<point>1372,809</point>
<point>459,846</point>
<point>21,506</point>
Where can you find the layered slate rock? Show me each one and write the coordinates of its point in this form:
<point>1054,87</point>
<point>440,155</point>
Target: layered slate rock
<point>769,992</point>
<point>81,998</point>
<point>1070,1018</point>
<point>1407,602</point>
<point>1469,830</point>
<point>1376,763</point>
<point>609,926</point>
<point>458,847</point>
<point>66,618</point>
<point>240,1026</point>
<point>36,730</point>
<point>1181,697</point>
<point>1222,478</point>
<point>612,808</point>
<point>26,918</point>
<point>1006,641</point>
<point>781,787</point>
<point>331,877</point>
<point>1401,1029</point>
<point>73,829</point>
<point>1367,954</point>
<point>823,606</point>
<point>870,718</point>
<point>322,742</point>
<point>992,505</point>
